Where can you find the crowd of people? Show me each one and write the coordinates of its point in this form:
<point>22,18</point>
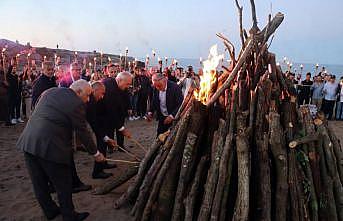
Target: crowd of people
<point>322,90</point>
<point>83,109</point>
<point>86,108</point>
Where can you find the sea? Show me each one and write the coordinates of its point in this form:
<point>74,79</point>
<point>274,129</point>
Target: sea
<point>334,69</point>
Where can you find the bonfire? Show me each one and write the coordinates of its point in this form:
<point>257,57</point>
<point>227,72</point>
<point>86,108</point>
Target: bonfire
<point>240,149</point>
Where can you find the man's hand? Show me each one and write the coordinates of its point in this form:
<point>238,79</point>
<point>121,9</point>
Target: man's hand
<point>100,158</point>
<point>126,133</point>
<point>129,112</point>
<point>168,120</point>
<point>112,143</point>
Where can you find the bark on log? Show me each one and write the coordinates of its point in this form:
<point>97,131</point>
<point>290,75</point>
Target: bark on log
<point>242,203</point>
<point>332,171</point>
<point>178,143</point>
<point>112,184</point>
<point>338,152</point>
<point>188,156</point>
<point>263,185</point>
<point>210,187</point>
<point>220,198</point>
<point>132,192</point>
<point>192,196</point>
<point>276,139</point>
<point>145,188</point>
<point>327,206</point>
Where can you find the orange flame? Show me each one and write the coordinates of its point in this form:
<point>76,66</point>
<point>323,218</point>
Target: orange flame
<point>209,75</point>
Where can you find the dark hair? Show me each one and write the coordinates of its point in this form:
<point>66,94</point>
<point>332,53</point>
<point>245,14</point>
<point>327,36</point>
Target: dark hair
<point>308,73</point>
<point>333,76</point>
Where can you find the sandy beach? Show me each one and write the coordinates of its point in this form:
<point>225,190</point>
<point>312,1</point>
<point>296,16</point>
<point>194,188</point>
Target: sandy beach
<point>17,201</point>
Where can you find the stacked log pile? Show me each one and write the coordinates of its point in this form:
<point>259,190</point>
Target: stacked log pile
<point>247,153</point>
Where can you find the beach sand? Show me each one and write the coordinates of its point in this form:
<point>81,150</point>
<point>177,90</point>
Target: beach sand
<point>17,201</point>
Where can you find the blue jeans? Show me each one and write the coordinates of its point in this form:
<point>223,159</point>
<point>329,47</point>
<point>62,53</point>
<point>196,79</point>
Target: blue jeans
<point>339,111</point>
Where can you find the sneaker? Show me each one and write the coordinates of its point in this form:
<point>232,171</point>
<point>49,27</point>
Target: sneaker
<point>131,118</point>
<point>145,118</point>
<point>14,121</point>
<point>19,120</point>
<point>137,118</point>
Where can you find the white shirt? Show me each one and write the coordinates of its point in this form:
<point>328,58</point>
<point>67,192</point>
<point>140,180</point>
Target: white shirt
<point>163,102</point>
<point>330,91</point>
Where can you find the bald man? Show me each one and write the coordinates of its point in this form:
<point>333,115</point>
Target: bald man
<point>47,145</point>
<point>116,102</point>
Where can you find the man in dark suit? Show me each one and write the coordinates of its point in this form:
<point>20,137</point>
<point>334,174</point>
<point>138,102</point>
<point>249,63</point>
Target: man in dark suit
<point>97,120</point>
<point>166,101</point>
<point>47,145</point>
<point>43,82</point>
<point>116,105</point>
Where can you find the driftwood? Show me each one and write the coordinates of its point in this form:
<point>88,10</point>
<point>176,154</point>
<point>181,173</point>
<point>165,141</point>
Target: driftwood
<point>192,196</point>
<point>242,202</point>
<point>118,181</point>
<point>132,191</point>
<point>249,154</point>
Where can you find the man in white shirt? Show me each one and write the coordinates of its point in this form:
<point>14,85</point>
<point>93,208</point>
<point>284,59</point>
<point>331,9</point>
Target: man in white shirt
<point>166,101</point>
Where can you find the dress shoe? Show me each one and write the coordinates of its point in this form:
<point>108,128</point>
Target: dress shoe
<point>101,175</point>
<point>80,216</point>
<point>110,166</point>
<point>81,187</point>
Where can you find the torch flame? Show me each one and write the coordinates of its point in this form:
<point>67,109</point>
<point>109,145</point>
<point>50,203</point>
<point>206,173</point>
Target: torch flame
<point>209,75</point>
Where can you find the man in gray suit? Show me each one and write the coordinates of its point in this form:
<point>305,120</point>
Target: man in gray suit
<point>47,145</point>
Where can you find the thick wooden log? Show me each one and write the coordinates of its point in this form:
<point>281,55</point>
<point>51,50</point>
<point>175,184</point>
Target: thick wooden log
<point>132,192</point>
<point>192,196</point>
<point>241,212</point>
<point>327,201</point>
<point>146,186</point>
<point>178,143</point>
<point>211,182</point>
<point>271,27</point>
<point>304,140</point>
<point>332,171</point>
<point>309,150</point>
<point>338,151</point>
<point>188,156</point>
<point>220,199</point>
<point>263,184</point>
<point>116,182</point>
<point>279,152</point>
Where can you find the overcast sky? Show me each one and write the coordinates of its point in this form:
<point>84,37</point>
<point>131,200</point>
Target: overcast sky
<point>311,32</point>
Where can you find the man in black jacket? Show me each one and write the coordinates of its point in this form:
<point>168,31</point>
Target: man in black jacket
<point>116,105</point>
<point>166,101</point>
<point>47,145</point>
<point>43,82</point>
<point>96,119</point>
